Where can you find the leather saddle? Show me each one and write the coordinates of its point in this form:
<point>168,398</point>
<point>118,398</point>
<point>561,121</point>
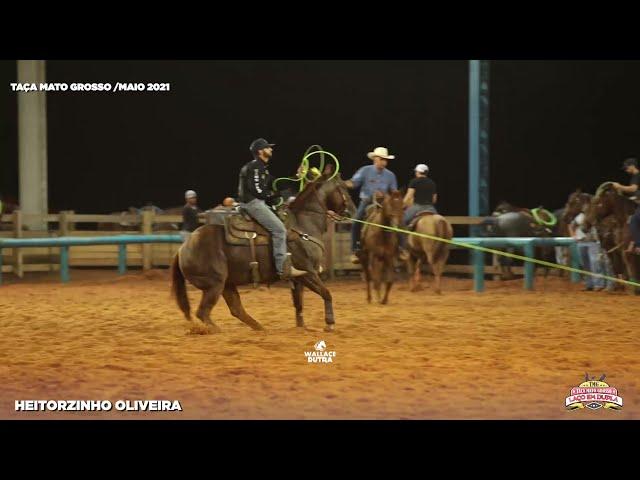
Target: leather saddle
<point>240,229</point>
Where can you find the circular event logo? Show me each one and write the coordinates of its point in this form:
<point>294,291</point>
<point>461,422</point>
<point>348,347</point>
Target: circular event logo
<point>594,394</point>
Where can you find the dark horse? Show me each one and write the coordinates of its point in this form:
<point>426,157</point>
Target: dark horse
<point>609,212</point>
<point>577,202</point>
<point>510,221</point>
<point>212,265</point>
<point>379,246</point>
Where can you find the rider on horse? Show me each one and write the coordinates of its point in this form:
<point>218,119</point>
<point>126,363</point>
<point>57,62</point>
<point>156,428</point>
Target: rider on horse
<point>421,197</point>
<point>370,179</point>
<point>255,191</point>
<point>630,166</point>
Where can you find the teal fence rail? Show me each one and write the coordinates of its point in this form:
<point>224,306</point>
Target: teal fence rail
<point>65,242</point>
<point>526,244</point>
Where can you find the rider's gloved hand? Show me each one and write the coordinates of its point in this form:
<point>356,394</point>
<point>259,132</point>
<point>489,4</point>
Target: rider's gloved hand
<point>274,199</point>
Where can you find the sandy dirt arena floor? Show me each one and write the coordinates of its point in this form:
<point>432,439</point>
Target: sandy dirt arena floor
<point>503,354</point>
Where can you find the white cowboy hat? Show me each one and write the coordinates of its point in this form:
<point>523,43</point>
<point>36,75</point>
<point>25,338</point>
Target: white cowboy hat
<point>422,168</point>
<point>381,152</point>
<point>189,194</point>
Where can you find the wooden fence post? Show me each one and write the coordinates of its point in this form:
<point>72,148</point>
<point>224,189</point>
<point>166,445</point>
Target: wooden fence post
<point>17,252</point>
<point>147,229</point>
<point>495,263</point>
<point>63,223</point>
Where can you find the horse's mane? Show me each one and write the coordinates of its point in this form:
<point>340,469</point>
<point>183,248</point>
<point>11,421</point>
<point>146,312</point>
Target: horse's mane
<point>603,188</point>
<point>625,204</point>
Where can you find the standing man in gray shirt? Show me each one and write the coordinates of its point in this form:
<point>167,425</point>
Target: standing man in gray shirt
<point>370,179</point>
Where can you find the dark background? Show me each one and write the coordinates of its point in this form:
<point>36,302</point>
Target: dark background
<point>555,125</point>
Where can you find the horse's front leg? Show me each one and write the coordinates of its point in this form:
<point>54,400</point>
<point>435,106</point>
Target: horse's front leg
<point>388,279</point>
<point>313,282</point>
<point>366,273</point>
<point>297,290</point>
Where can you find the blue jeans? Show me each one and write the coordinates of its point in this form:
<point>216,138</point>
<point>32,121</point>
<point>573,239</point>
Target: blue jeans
<point>410,212</point>
<point>592,262</point>
<point>266,217</point>
<point>608,269</point>
<point>634,226</point>
<point>562,255</point>
<point>356,227</point>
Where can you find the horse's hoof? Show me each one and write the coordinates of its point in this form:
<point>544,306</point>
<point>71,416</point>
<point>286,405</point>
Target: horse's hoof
<point>330,327</point>
<point>203,329</point>
<point>213,328</point>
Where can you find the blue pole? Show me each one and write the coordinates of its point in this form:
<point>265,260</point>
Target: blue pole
<point>64,264</point>
<point>529,267</point>
<point>122,259</point>
<point>474,138</point>
<point>478,270</point>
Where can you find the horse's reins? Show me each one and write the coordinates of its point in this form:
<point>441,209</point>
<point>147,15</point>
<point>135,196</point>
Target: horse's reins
<point>325,211</point>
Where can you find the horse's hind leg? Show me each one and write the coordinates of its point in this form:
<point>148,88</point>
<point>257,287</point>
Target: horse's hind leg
<point>210,297</point>
<point>415,278</point>
<point>438,268</point>
<point>232,297</point>
<point>387,289</point>
<point>297,289</point>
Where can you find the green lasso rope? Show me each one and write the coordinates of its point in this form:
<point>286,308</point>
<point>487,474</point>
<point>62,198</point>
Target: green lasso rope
<point>496,252</point>
<point>538,219</point>
<point>303,176</point>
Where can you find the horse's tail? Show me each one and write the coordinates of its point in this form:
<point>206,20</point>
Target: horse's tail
<point>441,249</point>
<point>178,287</point>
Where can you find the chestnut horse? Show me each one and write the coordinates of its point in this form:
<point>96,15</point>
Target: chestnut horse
<point>214,266</point>
<point>379,245</point>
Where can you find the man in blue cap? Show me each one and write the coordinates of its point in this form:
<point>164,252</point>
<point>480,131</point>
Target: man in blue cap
<point>630,166</point>
<point>255,192</point>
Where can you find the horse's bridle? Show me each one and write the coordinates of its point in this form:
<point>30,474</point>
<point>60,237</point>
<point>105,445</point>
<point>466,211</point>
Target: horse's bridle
<point>325,211</point>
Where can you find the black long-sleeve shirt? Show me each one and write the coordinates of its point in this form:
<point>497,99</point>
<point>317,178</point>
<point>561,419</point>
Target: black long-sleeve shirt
<point>190,218</point>
<point>255,182</point>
